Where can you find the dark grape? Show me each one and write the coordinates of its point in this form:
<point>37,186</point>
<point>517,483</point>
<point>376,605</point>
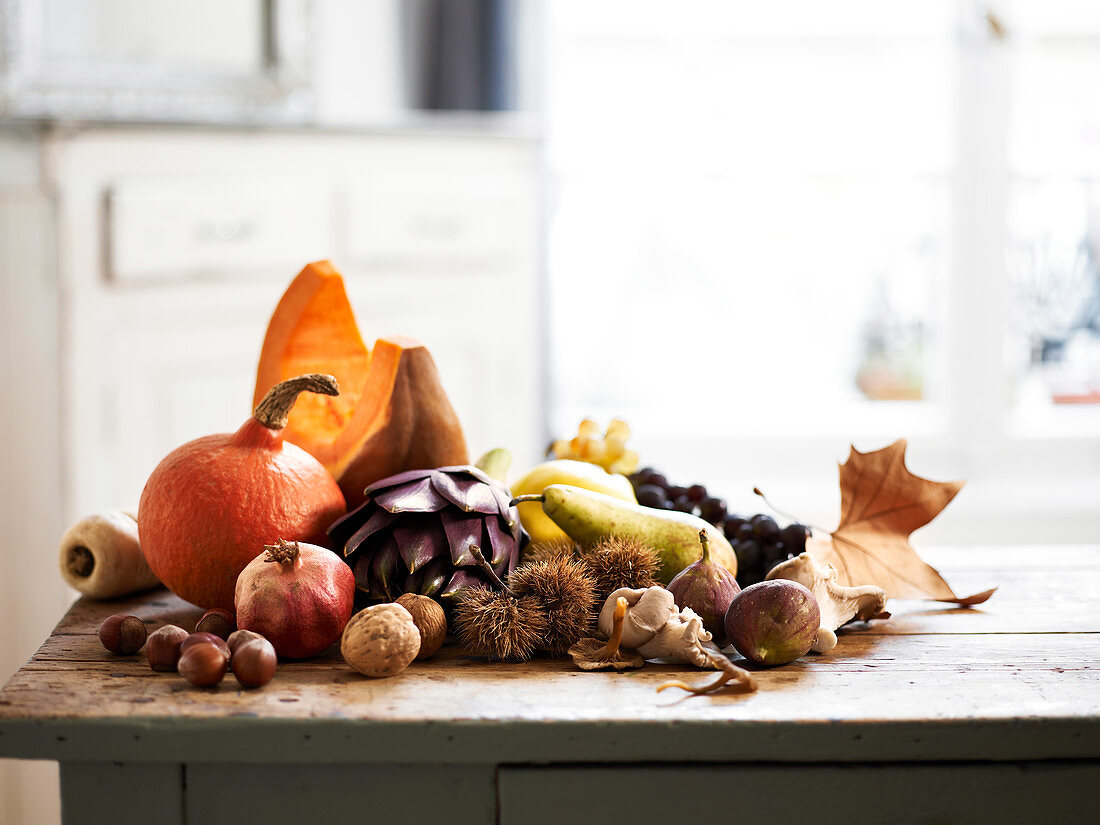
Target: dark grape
<point>659,480</point>
<point>713,510</point>
<point>650,495</point>
<point>745,532</point>
<point>776,551</point>
<point>684,504</point>
<point>765,528</point>
<point>794,536</point>
<point>730,525</point>
<point>697,492</point>
<point>675,491</point>
<point>748,555</point>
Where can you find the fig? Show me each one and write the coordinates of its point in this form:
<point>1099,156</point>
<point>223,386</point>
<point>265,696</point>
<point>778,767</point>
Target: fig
<point>773,622</point>
<point>707,588</point>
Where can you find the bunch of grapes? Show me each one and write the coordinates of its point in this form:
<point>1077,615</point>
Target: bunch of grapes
<point>759,542</point>
<point>607,450</point>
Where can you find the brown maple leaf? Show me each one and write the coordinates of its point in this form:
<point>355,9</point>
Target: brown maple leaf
<point>881,503</point>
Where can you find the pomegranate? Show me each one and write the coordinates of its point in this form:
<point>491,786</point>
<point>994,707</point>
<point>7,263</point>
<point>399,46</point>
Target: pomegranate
<point>211,505</point>
<point>298,596</point>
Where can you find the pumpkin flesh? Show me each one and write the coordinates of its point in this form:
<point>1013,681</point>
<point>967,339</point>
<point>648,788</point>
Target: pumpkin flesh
<point>313,330</point>
<point>392,413</point>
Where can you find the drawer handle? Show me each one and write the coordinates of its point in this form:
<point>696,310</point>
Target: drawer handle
<point>225,228</point>
<point>439,228</point>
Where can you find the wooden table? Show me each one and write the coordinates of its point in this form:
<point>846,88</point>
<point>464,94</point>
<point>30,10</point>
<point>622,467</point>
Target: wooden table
<point>937,715</point>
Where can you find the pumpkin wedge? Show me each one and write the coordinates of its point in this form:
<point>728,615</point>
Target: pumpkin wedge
<point>404,420</point>
<point>392,413</point>
<point>313,330</point>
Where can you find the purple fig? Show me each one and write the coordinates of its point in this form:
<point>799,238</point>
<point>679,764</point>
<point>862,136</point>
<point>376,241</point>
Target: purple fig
<point>707,588</point>
<point>773,622</point>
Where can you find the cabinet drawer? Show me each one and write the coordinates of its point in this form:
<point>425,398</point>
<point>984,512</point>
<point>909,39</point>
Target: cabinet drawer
<point>778,794</point>
<point>429,218</point>
<point>169,229</point>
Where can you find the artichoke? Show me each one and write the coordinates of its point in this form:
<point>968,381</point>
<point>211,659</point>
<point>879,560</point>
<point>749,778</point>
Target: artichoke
<point>431,532</point>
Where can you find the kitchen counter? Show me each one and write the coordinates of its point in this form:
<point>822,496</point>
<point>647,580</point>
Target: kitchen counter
<point>989,714</point>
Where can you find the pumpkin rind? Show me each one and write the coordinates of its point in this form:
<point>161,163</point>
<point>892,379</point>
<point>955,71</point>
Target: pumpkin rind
<point>404,421</point>
<point>392,413</point>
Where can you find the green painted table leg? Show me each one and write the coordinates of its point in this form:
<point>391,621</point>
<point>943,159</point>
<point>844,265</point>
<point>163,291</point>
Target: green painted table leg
<point>121,793</point>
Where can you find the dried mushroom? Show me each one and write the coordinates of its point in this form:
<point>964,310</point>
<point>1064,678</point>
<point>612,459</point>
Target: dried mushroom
<point>654,627</point>
<point>594,654</point>
<point>839,604</point>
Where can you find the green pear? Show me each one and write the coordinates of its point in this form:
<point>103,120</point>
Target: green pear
<point>587,517</point>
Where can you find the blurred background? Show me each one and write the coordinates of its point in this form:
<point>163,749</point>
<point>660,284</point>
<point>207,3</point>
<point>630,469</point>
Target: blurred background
<point>756,232</point>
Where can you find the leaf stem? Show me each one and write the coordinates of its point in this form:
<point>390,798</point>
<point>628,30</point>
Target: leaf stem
<point>788,515</point>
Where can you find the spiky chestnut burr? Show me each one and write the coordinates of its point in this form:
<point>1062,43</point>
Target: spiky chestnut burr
<point>620,562</point>
<point>498,625</point>
<point>564,592</point>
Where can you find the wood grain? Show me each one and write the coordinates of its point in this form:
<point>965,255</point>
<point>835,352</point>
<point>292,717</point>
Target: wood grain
<point>1020,674</point>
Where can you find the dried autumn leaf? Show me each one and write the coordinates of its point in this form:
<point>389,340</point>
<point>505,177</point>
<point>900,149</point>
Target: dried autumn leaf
<point>881,504</point>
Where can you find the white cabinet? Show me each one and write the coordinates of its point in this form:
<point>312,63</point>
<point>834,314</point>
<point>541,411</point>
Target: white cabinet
<point>174,247</point>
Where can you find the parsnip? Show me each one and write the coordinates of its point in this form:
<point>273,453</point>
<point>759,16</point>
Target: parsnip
<point>101,558</point>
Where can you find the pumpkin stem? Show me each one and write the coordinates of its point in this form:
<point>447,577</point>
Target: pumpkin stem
<point>284,553</point>
<point>274,411</point>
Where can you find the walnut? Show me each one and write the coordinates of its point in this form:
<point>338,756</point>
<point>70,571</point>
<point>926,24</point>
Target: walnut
<point>381,640</point>
<point>429,619</point>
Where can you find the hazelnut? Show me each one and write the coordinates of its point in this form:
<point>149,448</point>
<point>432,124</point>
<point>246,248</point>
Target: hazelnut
<point>123,634</point>
<point>381,640</point>
<point>254,662</point>
<point>239,637</point>
<point>429,619</point>
<point>163,648</point>
<point>208,638</point>
<point>219,621</point>
<point>202,664</point>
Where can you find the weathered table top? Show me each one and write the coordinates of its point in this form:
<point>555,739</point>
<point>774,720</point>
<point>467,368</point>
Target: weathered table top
<point>1017,678</point>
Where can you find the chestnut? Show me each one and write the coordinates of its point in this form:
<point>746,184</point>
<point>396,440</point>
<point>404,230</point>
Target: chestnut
<point>219,621</point>
<point>254,662</point>
<point>202,664</point>
<point>163,648</point>
<point>123,634</point>
<point>239,637</point>
<point>208,638</point>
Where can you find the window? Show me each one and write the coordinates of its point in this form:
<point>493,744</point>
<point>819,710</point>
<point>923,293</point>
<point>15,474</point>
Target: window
<point>778,229</point>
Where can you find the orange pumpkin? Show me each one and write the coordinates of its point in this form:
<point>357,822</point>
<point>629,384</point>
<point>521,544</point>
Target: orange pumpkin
<point>392,413</point>
<point>211,505</point>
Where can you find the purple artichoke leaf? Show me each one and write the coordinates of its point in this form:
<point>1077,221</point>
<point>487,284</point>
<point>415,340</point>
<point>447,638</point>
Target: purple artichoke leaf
<point>503,498</point>
<point>344,527</point>
<point>384,567</point>
<point>467,494</point>
<point>375,592</point>
<point>430,578</point>
<point>503,545</point>
<point>455,488</point>
<point>463,470</point>
<point>378,519</point>
<point>461,533</point>
<point>419,540</point>
<point>414,497</point>
<point>478,473</point>
<point>395,480</point>
<point>362,568</point>
<point>461,579</point>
